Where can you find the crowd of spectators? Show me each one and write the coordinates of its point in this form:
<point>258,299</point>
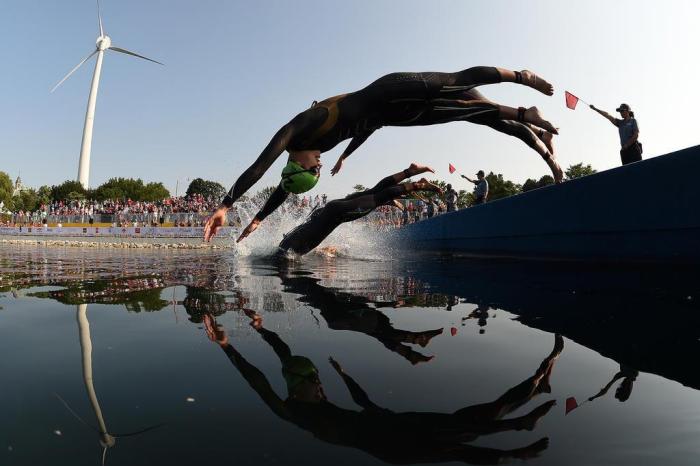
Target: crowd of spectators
<point>193,211</point>
<point>182,211</point>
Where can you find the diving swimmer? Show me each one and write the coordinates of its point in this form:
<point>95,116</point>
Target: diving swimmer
<point>408,437</point>
<point>322,221</point>
<point>397,99</point>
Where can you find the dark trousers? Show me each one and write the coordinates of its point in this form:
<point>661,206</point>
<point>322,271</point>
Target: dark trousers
<point>631,154</point>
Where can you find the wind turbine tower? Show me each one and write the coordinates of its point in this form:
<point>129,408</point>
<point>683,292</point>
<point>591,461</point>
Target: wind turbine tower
<point>103,43</point>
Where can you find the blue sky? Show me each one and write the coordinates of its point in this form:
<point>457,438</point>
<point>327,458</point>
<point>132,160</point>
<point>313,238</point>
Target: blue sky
<point>237,71</point>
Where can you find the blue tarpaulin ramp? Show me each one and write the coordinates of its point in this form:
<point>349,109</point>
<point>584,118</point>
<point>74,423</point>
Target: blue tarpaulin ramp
<point>645,211</point>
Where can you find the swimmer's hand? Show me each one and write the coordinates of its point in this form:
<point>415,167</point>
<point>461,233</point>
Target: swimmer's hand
<point>249,229</point>
<point>338,165</point>
<point>215,332</point>
<point>255,318</point>
<point>214,223</point>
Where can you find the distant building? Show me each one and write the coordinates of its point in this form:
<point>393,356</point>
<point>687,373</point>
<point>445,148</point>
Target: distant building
<point>19,187</point>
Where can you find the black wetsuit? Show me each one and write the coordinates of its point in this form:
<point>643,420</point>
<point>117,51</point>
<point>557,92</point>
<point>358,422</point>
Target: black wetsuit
<point>398,437</point>
<point>397,99</point>
<point>322,221</point>
<point>344,311</point>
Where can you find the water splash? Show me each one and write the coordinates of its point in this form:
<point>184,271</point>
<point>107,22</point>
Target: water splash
<point>359,240</point>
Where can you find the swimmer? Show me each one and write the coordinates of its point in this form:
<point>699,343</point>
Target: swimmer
<point>397,99</point>
<point>323,221</point>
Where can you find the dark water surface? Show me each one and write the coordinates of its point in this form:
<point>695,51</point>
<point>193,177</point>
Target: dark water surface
<point>198,357</point>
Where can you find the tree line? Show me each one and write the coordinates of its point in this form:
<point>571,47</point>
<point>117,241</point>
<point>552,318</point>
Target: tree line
<point>29,199</point>
<point>499,187</point>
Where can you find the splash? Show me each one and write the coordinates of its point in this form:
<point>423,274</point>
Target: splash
<point>360,240</point>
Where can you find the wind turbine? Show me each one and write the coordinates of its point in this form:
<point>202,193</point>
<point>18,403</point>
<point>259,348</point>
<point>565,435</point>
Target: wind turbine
<point>104,42</point>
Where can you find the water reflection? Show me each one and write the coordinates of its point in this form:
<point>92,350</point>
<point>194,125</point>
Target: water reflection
<point>645,320</point>
<point>394,437</point>
<point>345,311</point>
<point>106,439</point>
<point>624,390</point>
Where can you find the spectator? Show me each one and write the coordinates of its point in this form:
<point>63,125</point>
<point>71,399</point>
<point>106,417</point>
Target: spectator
<point>451,198</point>
<point>418,211</point>
<point>481,188</point>
<point>430,209</point>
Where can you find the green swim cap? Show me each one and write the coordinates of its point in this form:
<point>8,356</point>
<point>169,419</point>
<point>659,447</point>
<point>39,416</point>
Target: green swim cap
<point>297,370</point>
<point>297,179</point>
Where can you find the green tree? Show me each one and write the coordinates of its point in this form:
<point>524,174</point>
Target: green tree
<point>26,200</point>
<point>61,192</point>
<point>529,185</point>
<point>121,188</point>
<point>75,196</point>
<point>579,170</point>
<point>154,192</point>
<point>358,188</point>
<point>500,187</point>
<point>546,180</point>
<point>208,189</point>
<point>44,194</point>
<point>464,199</point>
<point>6,188</point>
<point>129,188</point>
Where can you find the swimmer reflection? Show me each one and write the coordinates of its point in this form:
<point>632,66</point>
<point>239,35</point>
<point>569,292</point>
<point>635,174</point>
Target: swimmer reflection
<point>345,311</point>
<point>341,311</point>
<point>399,438</point>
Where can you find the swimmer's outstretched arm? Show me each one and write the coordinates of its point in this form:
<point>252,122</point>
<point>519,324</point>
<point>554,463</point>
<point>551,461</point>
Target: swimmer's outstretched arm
<point>255,378</point>
<point>274,149</point>
<point>359,396</point>
<point>275,200</point>
<point>356,142</point>
<point>249,177</point>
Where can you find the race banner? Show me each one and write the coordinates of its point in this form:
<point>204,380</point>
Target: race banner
<point>113,232</point>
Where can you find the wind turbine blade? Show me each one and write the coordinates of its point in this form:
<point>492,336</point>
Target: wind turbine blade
<point>99,18</point>
<point>117,49</point>
<point>73,70</point>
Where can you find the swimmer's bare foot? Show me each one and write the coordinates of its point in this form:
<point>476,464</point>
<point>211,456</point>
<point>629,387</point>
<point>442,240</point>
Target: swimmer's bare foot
<point>531,79</point>
<point>529,421</point>
<point>425,185</point>
<point>532,115</point>
<point>531,451</point>
<point>557,172</point>
<point>417,358</point>
<point>546,137</point>
<point>416,169</point>
<point>423,338</point>
<point>397,204</point>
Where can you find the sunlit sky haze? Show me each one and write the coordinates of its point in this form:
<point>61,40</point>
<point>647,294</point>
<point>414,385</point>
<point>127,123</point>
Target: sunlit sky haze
<point>236,71</point>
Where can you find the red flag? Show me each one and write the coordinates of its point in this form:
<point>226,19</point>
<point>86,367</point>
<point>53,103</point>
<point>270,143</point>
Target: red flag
<point>570,405</point>
<point>571,100</point>
<point>452,169</point>
<point>453,331</point>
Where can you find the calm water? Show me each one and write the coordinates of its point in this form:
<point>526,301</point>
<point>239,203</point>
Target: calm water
<point>153,358</point>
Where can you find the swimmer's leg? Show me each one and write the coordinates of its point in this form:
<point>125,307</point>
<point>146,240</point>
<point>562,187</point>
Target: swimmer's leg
<point>392,180</point>
<point>479,75</point>
<point>536,138</point>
